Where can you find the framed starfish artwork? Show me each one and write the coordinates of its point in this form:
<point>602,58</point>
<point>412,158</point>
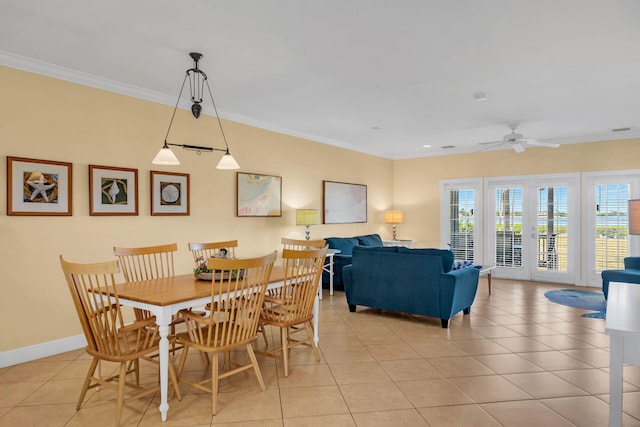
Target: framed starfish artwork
<point>169,193</point>
<point>38,187</point>
<point>113,191</point>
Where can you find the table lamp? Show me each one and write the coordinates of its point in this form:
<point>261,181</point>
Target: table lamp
<point>393,217</point>
<point>307,217</point>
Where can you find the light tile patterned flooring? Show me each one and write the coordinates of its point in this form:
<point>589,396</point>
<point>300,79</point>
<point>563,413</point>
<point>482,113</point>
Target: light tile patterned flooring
<point>517,360</point>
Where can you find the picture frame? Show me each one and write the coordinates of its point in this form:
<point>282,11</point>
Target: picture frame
<point>113,191</point>
<point>170,193</point>
<point>343,203</point>
<point>258,195</point>
<point>39,187</point>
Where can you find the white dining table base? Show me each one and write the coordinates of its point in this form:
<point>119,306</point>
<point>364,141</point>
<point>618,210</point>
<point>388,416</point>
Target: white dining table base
<point>164,316</point>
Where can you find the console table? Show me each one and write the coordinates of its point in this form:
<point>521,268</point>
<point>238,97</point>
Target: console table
<point>622,324</point>
<point>405,243</point>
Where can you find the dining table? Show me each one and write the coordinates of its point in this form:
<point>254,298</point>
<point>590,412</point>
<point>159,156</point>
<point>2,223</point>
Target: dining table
<point>164,297</point>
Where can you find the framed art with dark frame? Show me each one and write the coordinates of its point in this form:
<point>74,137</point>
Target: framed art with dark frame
<point>39,187</point>
<point>169,193</point>
<point>343,203</point>
<point>258,195</point>
<point>113,191</point>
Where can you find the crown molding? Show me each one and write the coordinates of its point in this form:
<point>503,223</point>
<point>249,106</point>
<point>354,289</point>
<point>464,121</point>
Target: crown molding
<point>74,76</point>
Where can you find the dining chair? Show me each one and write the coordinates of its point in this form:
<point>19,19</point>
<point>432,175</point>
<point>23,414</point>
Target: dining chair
<point>296,244</point>
<point>95,298</point>
<point>244,283</point>
<point>146,263</point>
<point>203,251</point>
<point>291,306</point>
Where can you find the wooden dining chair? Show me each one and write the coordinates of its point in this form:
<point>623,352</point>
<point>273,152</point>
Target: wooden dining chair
<point>291,306</point>
<point>244,283</point>
<point>95,298</point>
<point>203,251</point>
<point>298,245</point>
<point>146,263</point>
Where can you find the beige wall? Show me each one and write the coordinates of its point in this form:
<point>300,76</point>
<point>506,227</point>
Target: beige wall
<point>416,186</point>
<point>45,118</point>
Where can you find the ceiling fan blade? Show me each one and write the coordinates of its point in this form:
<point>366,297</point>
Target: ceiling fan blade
<point>518,148</point>
<point>491,142</point>
<point>542,143</point>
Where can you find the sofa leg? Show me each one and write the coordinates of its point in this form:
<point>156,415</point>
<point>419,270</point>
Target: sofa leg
<point>352,308</point>
<point>445,323</point>
<point>466,310</point>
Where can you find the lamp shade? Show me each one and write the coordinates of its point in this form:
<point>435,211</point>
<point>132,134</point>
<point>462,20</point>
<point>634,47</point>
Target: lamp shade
<point>393,217</point>
<point>634,216</point>
<point>227,162</point>
<point>307,217</point>
<point>165,157</point>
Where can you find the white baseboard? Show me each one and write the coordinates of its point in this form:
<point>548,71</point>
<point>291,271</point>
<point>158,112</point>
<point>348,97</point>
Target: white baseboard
<point>38,351</point>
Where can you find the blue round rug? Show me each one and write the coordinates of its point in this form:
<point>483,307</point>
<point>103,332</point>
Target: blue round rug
<point>580,299</point>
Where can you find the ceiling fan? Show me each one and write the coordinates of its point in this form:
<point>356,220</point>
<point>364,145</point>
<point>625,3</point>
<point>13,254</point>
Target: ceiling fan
<point>518,142</point>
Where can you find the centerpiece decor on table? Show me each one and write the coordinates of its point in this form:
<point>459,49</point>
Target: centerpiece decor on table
<point>202,272</point>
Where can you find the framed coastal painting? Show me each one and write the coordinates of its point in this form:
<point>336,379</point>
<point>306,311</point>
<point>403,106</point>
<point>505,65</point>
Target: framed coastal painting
<point>343,202</point>
<point>259,195</point>
<point>113,191</point>
<point>39,187</point>
<point>169,193</point>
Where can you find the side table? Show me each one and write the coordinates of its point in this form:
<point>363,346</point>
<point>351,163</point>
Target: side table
<point>486,271</point>
<point>328,267</point>
<point>405,243</point>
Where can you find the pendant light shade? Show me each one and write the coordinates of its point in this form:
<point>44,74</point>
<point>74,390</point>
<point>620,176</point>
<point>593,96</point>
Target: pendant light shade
<point>165,157</point>
<point>227,162</point>
<point>197,81</point>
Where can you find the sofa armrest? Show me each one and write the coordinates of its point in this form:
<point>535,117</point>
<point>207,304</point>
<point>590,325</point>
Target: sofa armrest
<point>458,290</point>
<point>632,263</point>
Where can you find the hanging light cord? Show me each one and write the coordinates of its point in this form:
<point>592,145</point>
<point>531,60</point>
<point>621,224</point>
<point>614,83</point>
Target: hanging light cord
<point>174,111</point>
<point>224,138</point>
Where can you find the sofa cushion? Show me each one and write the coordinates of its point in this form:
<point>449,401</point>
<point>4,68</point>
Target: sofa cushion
<point>344,244</point>
<point>376,249</point>
<point>370,240</point>
<point>444,254</point>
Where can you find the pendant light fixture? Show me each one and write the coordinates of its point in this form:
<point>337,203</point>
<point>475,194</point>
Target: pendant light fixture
<point>197,80</point>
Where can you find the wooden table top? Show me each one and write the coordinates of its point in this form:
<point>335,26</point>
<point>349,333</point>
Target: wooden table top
<point>173,290</point>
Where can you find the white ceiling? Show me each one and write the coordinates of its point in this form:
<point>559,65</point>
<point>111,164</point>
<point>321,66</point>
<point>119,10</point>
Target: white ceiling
<point>377,76</point>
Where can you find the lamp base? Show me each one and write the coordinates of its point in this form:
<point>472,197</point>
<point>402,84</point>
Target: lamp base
<point>393,227</point>
<point>307,232</point>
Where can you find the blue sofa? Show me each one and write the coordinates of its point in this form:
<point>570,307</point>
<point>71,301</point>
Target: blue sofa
<point>417,281</point>
<point>630,274</point>
<point>346,245</point>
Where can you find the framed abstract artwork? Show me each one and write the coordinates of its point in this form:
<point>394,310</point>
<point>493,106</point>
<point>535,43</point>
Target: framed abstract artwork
<point>38,187</point>
<point>113,191</point>
<point>343,203</point>
<point>169,193</point>
<point>259,195</point>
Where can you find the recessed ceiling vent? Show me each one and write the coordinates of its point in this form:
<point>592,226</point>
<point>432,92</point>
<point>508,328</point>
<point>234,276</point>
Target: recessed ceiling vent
<point>448,146</point>
<point>620,129</point>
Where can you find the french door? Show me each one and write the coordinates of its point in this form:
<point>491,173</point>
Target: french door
<point>533,225</point>
<point>605,229</point>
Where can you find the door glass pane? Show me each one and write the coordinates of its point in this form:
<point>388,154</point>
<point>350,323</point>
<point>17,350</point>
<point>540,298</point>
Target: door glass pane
<point>553,204</point>
<point>508,227</point>
<point>611,226</point>
<point>461,224</point>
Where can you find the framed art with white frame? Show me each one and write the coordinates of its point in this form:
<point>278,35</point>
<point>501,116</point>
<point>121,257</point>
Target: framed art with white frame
<point>113,191</point>
<point>39,187</point>
<point>169,193</point>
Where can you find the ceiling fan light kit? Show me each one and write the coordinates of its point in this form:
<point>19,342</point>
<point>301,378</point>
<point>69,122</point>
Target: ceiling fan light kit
<point>518,142</point>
